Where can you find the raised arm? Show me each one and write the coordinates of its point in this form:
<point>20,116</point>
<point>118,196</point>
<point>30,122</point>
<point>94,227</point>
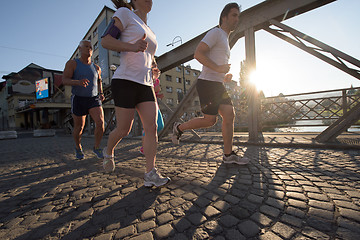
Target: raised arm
<point>110,41</point>
<point>100,87</point>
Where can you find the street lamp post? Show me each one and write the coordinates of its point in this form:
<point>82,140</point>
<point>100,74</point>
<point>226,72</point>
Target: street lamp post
<point>179,39</point>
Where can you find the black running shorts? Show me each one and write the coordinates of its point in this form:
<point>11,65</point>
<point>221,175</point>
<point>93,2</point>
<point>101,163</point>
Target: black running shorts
<point>211,95</point>
<point>128,94</point>
<point>80,105</point>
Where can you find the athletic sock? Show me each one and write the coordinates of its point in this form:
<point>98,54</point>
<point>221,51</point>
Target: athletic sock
<point>228,155</point>
<point>177,127</point>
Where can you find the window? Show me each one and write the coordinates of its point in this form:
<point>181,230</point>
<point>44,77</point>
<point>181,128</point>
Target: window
<point>169,101</point>
<point>168,78</point>
<point>168,89</point>
<point>187,82</point>
<point>178,69</point>
<point>89,38</point>
<point>95,32</point>
<point>96,60</point>
<point>95,46</point>
<point>179,90</point>
<point>187,71</point>
<point>195,74</point>
<point>178,80</point>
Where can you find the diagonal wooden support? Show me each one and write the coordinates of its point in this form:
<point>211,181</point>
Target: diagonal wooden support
<point>340,60</point>
<point>170,110</point>
<point>176,116</point>
<point>343,123</point>
<point>110,121</point>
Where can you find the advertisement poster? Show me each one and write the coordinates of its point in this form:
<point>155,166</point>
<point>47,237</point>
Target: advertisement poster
<point>42,88</point>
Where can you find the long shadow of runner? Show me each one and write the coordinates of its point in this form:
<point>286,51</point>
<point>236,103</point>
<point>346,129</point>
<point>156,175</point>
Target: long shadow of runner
<point>124,211</point>
<point>23,177</point>
<point>33,198</point>
<point>225,205</point>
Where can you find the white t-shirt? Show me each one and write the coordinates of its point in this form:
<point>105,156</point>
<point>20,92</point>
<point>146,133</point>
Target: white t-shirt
<point>135,66</point>
<point>218,42</point>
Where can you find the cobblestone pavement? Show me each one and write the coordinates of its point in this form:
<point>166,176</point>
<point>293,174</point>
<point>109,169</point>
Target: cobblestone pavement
<point>284,193</point>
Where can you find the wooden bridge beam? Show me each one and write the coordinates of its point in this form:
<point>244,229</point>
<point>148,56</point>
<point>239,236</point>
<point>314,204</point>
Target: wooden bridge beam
<point>256,17</point>
<point>301,40</point>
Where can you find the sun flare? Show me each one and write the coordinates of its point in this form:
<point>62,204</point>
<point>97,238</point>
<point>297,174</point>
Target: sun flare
<point>269,79</point>
<point>259,79</point>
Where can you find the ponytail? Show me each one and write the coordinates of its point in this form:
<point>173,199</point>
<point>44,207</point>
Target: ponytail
<point>121,3</point>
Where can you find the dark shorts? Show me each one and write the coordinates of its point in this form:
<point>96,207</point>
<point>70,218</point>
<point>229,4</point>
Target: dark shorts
<point>211,95</point>
<point>80,105</point>
<point>128,94</point>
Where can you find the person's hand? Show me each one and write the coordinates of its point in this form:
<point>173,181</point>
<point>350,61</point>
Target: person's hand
<point>156,73</point>
<point>102,97</point>
<point>141,45</point>
<point>160,95</point>
<point>83,82</point>
<point>228,77</point>
<point>223,68</point>
<point>157,88</point>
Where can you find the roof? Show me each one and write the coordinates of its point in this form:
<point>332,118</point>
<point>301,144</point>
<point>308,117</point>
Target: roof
<point>30,66</point>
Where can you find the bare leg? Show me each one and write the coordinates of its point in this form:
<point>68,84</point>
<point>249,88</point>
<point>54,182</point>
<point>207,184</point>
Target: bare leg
<point>97,114</point>
<point>124,121</point>
<point>79,123</point>
<point>148,114</point>
<point>200,122</point>
<point>228,116</point>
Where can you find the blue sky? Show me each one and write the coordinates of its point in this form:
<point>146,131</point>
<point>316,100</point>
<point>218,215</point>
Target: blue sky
<point>46,32</point>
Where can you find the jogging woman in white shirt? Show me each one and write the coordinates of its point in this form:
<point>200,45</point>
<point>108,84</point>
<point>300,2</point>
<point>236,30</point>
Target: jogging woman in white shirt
<point>132,84</point>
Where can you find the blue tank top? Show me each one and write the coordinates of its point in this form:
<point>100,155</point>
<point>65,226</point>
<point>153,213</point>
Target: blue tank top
<point>89,72</point>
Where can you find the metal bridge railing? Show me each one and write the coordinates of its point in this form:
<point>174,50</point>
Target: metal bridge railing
<point>326,106</point>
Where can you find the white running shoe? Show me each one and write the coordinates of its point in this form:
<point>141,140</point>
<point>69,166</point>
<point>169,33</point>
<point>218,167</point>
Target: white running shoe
<point>154,178</point>
<point>176,133</point>
<point>233,158</point>
<point>108,162</point>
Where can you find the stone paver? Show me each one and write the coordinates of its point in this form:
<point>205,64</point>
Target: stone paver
<point>283,193</point>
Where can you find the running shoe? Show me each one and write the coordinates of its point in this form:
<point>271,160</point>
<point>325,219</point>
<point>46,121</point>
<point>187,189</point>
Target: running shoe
<point>176,133</point>
<point>108,162</point>
<point>79,154</point>
<point>98,152</point>
<point>154,178</point>
<point>233,158</point>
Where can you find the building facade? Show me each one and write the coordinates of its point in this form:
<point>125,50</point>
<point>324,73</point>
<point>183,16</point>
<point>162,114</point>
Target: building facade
<point>4,122</point>
<point>172,86</point>
<point>23,110</point>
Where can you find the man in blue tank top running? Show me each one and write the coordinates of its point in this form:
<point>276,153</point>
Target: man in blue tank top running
<point>87,96</point>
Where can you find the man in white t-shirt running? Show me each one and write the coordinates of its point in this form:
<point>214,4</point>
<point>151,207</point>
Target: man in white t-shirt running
<point>213,52</point>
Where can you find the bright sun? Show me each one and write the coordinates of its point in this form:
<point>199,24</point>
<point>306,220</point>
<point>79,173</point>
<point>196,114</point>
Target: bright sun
<point>260,79</point>
<point>268,79</point>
